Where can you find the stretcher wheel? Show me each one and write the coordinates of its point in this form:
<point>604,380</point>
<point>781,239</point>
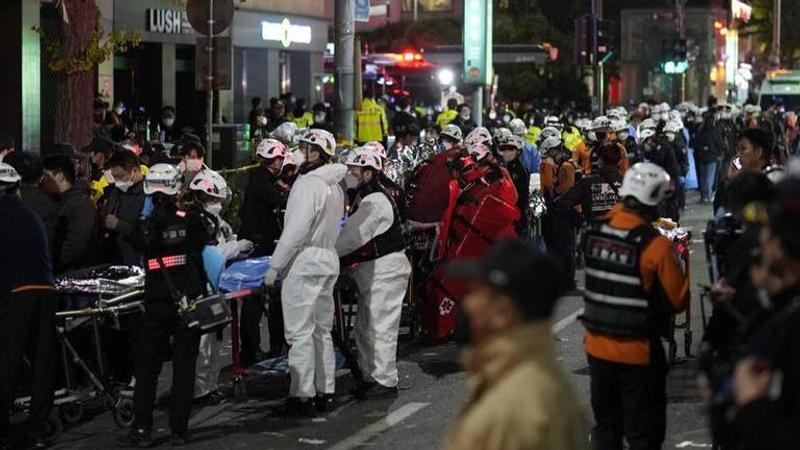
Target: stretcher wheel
<point>123,412</point>
<point>54,425</point>
<point>687,343</point>
<point>71,413</point>
<point>239,391</point>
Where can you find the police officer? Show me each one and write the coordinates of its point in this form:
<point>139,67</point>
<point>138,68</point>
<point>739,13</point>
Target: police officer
<point>173,245</point>
<point>373,238</point>
<point>633,284</point>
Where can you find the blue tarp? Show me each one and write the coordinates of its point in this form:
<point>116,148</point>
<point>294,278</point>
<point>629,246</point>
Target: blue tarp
<point>244,274</point>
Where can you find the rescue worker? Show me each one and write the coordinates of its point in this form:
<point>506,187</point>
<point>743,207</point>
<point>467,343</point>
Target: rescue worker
<point>448,115</point>
<point>173,245</point>
<point>306,258</point>
<point>450,137</point>
<point>264,199</point>
<point>622,136</point>
<point>27,310</point>
<point>208,192</point>
<point>633,285</point>
<point>393,189</point>
<point>510,149</point>
<point>657,150</point>
<point>533,130</point>
<point>370,120</point>
<point>599,192</point>
<point>529,156</point>
<point>559,175</point>
<point>372,240</point>
<point>303,118</point>
<point>673,132</point>
<point>519,396</point>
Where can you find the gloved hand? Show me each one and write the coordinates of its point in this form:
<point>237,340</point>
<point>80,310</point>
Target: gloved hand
<point>270,278</point>
<point>244,246</point>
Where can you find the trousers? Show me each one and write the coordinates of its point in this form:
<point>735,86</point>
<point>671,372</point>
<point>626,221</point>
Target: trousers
<point>558,230</point>
<point>160,324</point>
<point>27,328</point>
<point>628,401</point>
<point>207,371</point>
<point>250,328</point>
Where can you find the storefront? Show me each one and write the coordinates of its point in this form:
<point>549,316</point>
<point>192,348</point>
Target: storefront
<point>274,54</point>
<point>160,72</point>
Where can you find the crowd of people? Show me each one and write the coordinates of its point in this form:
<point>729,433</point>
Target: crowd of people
<point>529,196</point>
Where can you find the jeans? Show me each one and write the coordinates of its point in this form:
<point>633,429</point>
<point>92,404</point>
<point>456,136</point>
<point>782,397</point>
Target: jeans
<point>628,401</point>
<point>706,176</point>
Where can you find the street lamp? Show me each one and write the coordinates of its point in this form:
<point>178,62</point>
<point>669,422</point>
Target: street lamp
<point>446,77</point>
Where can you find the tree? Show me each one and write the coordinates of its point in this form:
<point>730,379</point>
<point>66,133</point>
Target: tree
<point>760,25</point>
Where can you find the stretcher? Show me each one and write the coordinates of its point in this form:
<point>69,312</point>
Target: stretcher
<point>681,239</point>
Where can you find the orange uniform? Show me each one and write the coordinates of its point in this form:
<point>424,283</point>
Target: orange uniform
<point>583,156</point>
<point>658,262</point>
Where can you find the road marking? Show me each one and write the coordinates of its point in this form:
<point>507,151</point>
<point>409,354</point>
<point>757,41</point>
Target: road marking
<point>566,321</point>
<point>393,418</point>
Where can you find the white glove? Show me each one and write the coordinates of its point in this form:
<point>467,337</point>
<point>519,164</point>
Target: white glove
<point>271,277</point>
<point>244,245</point>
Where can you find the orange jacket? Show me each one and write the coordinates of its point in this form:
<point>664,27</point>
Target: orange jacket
<point>549,173</point>
<point>583,156</point>
<point>657,262</point>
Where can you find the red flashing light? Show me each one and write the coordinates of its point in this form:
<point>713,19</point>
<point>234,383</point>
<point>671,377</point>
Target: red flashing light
<point>408,56</point>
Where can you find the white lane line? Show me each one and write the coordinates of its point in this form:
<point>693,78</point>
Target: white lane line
<point>566,321</point>
<point>393,418</point>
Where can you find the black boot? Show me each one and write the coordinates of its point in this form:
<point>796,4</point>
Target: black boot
<point>372,391</point>
<point>140,438</point>
<point>325,403</point>
<point>297,407</point>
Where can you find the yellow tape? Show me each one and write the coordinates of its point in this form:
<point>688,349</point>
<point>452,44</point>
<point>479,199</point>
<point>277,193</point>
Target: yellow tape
<point>240,169</point>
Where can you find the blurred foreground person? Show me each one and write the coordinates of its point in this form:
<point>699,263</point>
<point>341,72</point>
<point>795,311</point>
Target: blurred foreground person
<point>519,396</point>
<point>27,309</point>
<point>633,285</point>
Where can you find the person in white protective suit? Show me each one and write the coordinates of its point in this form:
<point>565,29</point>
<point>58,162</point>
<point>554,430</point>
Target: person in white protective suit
<point>372,239</point>
<point>306,259</point>
<point>208,192</point>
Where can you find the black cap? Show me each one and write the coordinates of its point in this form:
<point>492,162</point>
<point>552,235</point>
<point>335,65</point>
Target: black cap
<point>520,270</point>
<point>6,141</point>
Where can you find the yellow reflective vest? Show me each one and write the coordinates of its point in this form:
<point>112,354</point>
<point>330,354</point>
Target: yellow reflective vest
<point>445,117</point>
<point>572,137</point>
<point>304,121</point>
<point>532,134</point>
<point>370,122</point>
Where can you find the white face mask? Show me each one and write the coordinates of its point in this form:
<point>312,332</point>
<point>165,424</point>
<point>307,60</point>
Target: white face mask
<point>169,122</point>
<point>492,115</point>
<point>508,155</point>
<point>193,165</point>
<point>214,208</point>
<point>119,111</point>
<point>465,115</point>
<point>623,135</point>
<point>670,136</point>
<point>351,181</point>
<point>446,144</point>
<point>262,120</point>
<point>319,118</point>
<point>123,185</point>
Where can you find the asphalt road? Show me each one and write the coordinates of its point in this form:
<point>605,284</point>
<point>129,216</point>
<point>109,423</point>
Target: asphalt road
<point>432,389</point>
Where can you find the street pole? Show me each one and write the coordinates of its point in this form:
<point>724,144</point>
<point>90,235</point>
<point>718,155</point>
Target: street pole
<point>600,91</point>
<point>416,10</point>
<point>477,105</point>
<point>776,33</point>
<point>343,57</point>
<point>210,84</point>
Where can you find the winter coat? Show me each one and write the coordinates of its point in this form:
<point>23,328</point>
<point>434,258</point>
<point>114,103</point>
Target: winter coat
<point>74,230</point>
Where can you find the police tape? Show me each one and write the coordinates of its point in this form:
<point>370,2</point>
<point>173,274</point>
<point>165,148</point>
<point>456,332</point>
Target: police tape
<point>238,169</point>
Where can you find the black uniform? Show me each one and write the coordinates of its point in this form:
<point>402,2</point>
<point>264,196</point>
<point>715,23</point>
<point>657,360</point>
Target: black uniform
<point>662,153</point>
<point>522,181</point>
<point>599,192</point>
<point>174,242</point>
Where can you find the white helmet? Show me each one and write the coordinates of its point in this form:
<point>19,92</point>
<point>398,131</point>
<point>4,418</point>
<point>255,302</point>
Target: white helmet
<point>500,133</point>
<point>9,178</point>
<point>479,135</point>
<point>648,124</point>
<point>364,157</point>
<point>321,138</point>
<point>517,127</point>
<point>546,133</point>
<point>453,132</point>
<point>661,108</point>
<point>549,143</point>
<point>673,126</point>
<point>510,141</point>
<point>621,112</point>
<point>377,148</point>
<point>601,123</point>
<point>285,132</point>
<point>618,125</point>
<point>210,183</point>
<point>271,149</point>
<point>775,173</point>
<point>479,151</point>
<point>164,178</point>
<point>553,121</point>
<point>583,125</point>
<point>646,182</point>
<point>646,134</point>
<point>675,114</point>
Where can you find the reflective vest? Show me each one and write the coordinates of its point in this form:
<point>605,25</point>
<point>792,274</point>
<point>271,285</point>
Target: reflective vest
<point>571,137</point>
<point>304,121</point>
<point>445,117</point>
<point>615,301</point>
<point>371,122</point>
<point>388,242</point>
<point>532,134</point>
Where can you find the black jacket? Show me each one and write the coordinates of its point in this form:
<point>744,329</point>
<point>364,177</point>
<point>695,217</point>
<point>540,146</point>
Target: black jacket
<point>24,260</point>
<point>708,141</point>
<point>127,206</point>
<point>261,211</point>
<point>43,205</point>
<point>599,192</point>
<point>465,125</point>
<point>522,180</point>
<point>74,231</point>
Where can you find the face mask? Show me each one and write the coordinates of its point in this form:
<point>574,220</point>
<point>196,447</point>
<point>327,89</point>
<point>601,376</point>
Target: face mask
<point>193,165</point>
<point>447,145</point>
<point>298,157</point>
<point>123,185</point>
<point>670,136</point>
<point>169,122</point>
<point>351,181</point>
<point>119,111</point>
<point>508,155</point>
<point>492,115</point>
<point>623,135</point>
<point>465,116</point>
<point>214,208</point>
<point>319,118</point>
<point>648,147</point>
<point>262,120</point>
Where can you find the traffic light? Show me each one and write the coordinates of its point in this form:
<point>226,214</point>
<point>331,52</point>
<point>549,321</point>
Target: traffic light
<point>674,56</point>
<point>605,38</point>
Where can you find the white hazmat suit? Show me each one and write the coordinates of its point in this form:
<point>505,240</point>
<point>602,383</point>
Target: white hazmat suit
<point>306,258</point>
<point>382,285</point>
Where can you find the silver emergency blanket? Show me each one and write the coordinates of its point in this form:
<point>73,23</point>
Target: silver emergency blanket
<point>400,167</point>
<point>106,280</point>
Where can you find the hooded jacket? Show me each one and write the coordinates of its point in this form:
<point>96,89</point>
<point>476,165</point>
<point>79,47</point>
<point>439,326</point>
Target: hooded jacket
<point>313,214</point>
